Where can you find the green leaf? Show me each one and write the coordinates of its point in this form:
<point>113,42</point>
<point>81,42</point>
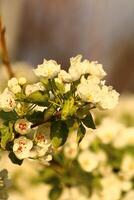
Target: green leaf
<point>39,97</point>
<point>35,116</point>
<point>59,133</point>
<point>81,132</point>
<point>8,116</point>
<point>68,108</point>
<point>6,135</point>
<point>89,122</point>
<point>83,111</point>
<point>14,159</point>
<point>55,193</point>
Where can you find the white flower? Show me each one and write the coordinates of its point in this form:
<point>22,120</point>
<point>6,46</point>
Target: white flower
<point>64,76</point>
<point>22,126</point>
<point>14,86</point>
<point>88,160</point>
<point>71,146</point>
<point>94,79</point>
<point>70,150</point>
<point>77,67</point>
<point>67,87</point>
<point>7,101</point>
<point>49,69</point>
<point>22,147</point>
<point>124,138</point>
<point>39,152</point>
<point>111,187</point>
<point>109,98</point>
<point>16,89</point>
<point>12,82</point>
<point>97,70</point>
<point>108,131</point>
<point>87,140</point>
<point>30,88</point>
<point>42,136</point>
<point>88,91</point>
<point>127,167</point>
<point>22,80</point>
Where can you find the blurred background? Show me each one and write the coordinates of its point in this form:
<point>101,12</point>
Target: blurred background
<point>100,30</point>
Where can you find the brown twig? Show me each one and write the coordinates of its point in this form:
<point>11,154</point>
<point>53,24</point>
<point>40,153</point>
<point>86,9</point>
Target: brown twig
<point>3,50</point>
<point>57,115</point>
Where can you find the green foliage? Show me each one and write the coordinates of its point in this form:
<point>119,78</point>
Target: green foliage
<point>39,98</point>
<point>6,135</point>
<point>68,108</point>
<point>35,116</point>
<point>88,121</point>
<point>8,116</point>
<point>59,133</point>
<point>80,132</point>
<point>55,193</point>
<point>14,159</point>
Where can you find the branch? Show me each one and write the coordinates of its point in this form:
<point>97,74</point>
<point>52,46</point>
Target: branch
<point>4,51</point>
<point>57,115</point>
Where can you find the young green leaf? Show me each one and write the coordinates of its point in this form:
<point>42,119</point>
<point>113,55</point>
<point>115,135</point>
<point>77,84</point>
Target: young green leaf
<point>88,121</point>
<point>68,108</point>
<point>6,135</point>
<point>80,132</point>
<point>14,159</point>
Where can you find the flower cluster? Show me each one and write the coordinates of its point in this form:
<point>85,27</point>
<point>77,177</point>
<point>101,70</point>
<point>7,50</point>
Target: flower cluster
<point>101,167</point>
<point>36,118</point>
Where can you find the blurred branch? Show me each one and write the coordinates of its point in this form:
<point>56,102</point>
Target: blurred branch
<point>4,51</point>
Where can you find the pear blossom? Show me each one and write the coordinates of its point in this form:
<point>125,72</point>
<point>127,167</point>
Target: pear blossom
<point>108,135</point>
<point>111,187</point>
<point>127,166</point>
<point>71,150</point>
<point>22,80</point>
<point>22,147</point>
<point>88,139</point>
<point>42,135</point>
<point>97,70</point>
<point>109,98</point>
<point>124,138</point>
<point>22,126</point>
<point>49,69</point>
<point>30,88</point>
<point>40,152</point>
<point>78,67</point>
<point>7,101</point>
<point>88,160</point>
<point>64,76</point>
<point>14,86</point>
<point>89,91</point>
<point>13,81</point>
